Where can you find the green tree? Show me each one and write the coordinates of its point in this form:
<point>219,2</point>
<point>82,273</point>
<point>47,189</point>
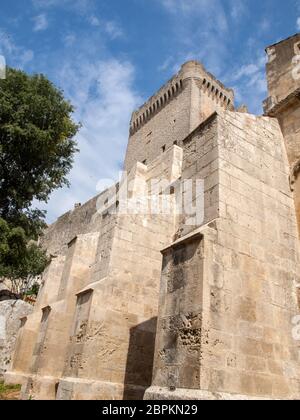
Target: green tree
<point>37,148</point>
<point>20,260</point>
<point>37,143</point>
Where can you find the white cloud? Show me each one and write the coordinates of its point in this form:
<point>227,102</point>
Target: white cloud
<point>15,55</point>
<point>166,64</point>
<point>81,6</point>
<point>204,30</point>
<point>94,21</point>
<point>237,9</point>
<point>40,23</point>
<point>245,70</point>
<point>298,24</point>
<point>110,27</point>
<point>104,96</point>
<point>264,25</point>
<point>209,11</point>
<point>200,28</point>
<point>69,39</point>
<point>113,30</point>
<point>185,6</point>
<point>249,82</point>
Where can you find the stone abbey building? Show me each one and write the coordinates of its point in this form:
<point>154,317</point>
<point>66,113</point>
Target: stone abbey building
<point>176,305</point>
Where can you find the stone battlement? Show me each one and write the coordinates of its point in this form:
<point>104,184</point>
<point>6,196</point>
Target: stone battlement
<point>190,97</point>
<point>206,81</point>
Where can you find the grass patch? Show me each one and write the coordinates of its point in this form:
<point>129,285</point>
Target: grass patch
<point>9,392</point>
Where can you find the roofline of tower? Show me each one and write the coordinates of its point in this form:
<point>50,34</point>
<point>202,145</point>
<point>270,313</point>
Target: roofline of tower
<point>177,76</point>
<point>283,40</point>
<point>198,63</point>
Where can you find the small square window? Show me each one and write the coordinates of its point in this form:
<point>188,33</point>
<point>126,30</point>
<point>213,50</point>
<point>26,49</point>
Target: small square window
<point>144,162</point>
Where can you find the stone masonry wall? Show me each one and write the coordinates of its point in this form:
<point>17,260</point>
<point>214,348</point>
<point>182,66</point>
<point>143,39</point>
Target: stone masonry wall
<point>92,333</point>
<point>283,74</point>
<point>228,295</point>
<point>280,68</point>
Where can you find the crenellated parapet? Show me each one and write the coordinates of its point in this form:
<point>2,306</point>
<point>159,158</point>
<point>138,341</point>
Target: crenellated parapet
<point>205,81</point>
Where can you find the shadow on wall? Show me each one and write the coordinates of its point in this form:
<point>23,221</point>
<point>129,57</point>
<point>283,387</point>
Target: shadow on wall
<point>140,358</point>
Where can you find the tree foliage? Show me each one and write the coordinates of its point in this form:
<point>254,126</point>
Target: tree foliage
<point>36,141</point>
<point>37,148</point>
<point>19,258</point>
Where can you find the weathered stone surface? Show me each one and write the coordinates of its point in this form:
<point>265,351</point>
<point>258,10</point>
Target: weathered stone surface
<point>208,296</point>
<point>283,78</point>
<point>11,312</point>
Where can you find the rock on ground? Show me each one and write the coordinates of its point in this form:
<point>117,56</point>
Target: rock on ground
<point>11,311</point>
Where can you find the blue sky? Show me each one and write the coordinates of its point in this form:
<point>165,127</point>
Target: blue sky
<point>109,56</point>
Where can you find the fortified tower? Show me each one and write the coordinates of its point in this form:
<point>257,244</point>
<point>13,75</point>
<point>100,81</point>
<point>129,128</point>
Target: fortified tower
<point>199,303</point>
<point>283,75</point>
<point>174,112</point>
